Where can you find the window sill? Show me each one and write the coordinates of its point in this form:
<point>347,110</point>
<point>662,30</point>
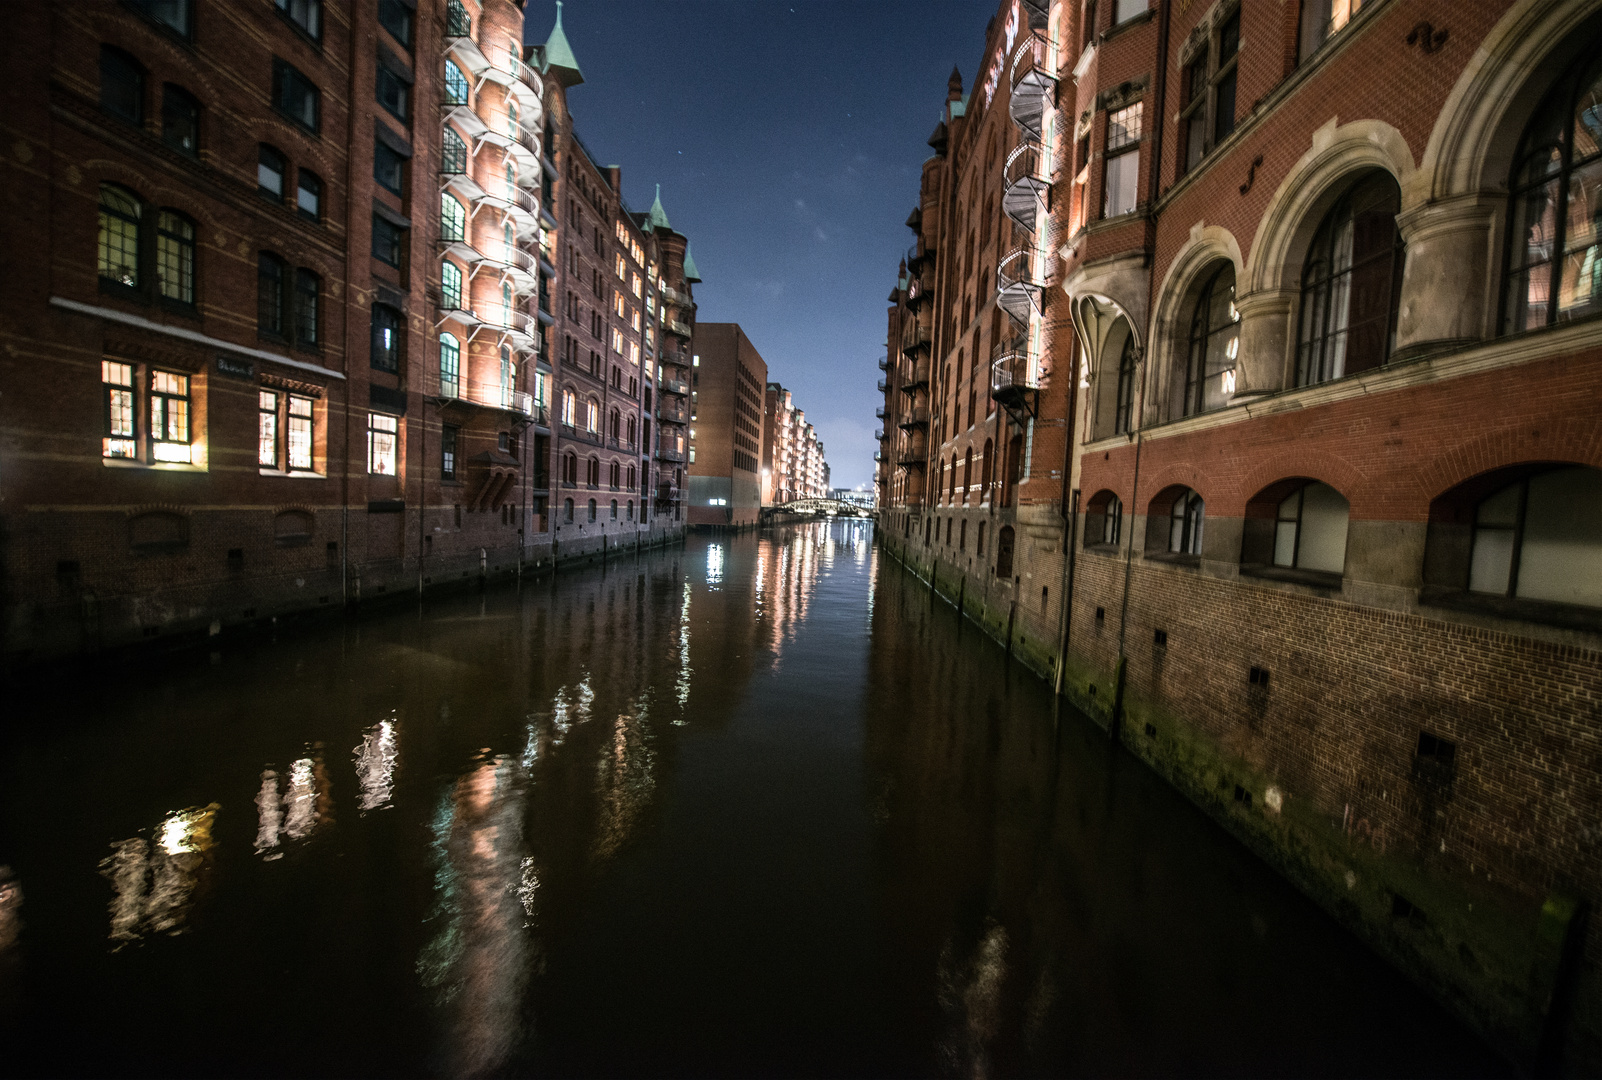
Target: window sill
<point>293,474</point>
<point>1318,579</point>
<point>1567,616</point>
<point>1128,24</point>
<point>158,466</point>
<point>1175,558</point>
<point>1106,550</point>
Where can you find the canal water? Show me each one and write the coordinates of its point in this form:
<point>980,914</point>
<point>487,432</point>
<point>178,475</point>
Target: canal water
<point>757,805</point>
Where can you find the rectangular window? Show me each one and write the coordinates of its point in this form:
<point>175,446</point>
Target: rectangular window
<point>120,438</point>
<point>1124,10</point>
<point>175,15</point>
<point>169,417</point>
<point>306,14</point>
<point>382,437</point>
<point>386,338</point>
<point>270,172</point>
<point>1121,178</point>
<point>388,239</point>
<point>269,295</point>
<point>389,168</point>
<point>617,340</point>
<point>1224,82</point>
<point>306,291</point>
<point>122,85</point>
<point>393,93</point>
<point>447,452</point>
<point>396,17</point>
<point>309,196</point>
<point>296,96</point>
<point>267,429</point>
<point>180,120</point>
<point>300,432</point>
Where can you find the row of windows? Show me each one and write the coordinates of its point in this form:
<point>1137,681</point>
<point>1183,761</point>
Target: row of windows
<point>567,510</point>
<point>1526,533</point>
<point>618,475</point>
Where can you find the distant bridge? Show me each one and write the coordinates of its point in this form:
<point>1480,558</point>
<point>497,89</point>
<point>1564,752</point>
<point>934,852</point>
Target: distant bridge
<point>817,508</point>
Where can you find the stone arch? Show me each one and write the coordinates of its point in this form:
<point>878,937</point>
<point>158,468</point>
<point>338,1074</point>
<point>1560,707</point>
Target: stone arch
<point>1312,187</point>
<point>1307,464</point>
<point>1570,442</point>
<point>1471,146</point>
<point>1179,474</point>
<point>1190,268</point>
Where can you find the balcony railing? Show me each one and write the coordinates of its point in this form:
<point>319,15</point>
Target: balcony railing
<point>917,377</point>
<point>673,413</point>
<point>884,363</point>
<point>674,386</point>
<point>669,453</point>
<point>879,413</point>
<point>883,385</point>
<point>914,336</point>
<point>458,23</point>
<point>915,417</point>
<point>674,326</point>
<point>1017,290</point>
<point>1033,84</point>
<point>1012,374</point>
<point>913,453</point>
<point>674,296</point>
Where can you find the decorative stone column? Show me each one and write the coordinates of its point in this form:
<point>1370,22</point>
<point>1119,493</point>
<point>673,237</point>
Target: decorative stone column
<point>1265,336</point>
<point>1446,297</point>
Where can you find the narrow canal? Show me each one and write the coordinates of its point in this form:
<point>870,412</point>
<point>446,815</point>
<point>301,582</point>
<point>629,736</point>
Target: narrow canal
<point>753,806</point>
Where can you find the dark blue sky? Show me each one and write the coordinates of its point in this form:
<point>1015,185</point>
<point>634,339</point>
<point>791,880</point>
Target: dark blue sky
<point>788,137</point>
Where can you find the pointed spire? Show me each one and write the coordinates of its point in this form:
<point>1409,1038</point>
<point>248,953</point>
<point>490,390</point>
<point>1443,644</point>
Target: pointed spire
<point>659,218</point>
<point>690,272</point>
<point>559,58</point>
<point>953,84</point>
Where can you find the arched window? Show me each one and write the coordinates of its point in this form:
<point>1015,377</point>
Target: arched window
<point>1540,538</point>
<point>119,236</point>
<point>592,471</point>
<point>632,430</point>
<point>615,424</point>
<point>567,511</point>
<point>592,509</point>
<point>1351,284</point>
<point>631,478</point>
<point>614,509</point>
<point>967,472</point>
<point>979,545</point>
<point>1004,545</point>
<point>1185,523</point>
<point>454,156</point>
<point>508,376</point>
<point>1214,342</point>
<point>511,180</point>
<point>450,365</point>
<point>512,127</point>
<point>631,510</point>
<point>455,85</point>
<point>1310,529</point>
<point>1554,268</point>
<point>615,476</point>
<point>452,219</point>
<point>175,257</point>
<point>569,408</point>
<point>1112,521</point>
<point>592,417</point>
<point>450,286</point>
<point>570,468</point>
<point>506,304</point>
<point>508,240</point>
<point>1123,408</point>
<point>984,468</point>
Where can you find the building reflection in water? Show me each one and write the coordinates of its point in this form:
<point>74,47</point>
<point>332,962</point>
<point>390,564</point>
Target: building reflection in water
<point>10,908</point>
<point>479,959</point>
<point>970,996</point>
<point>625,778</point>
<point>570,708</point>
<point>786,573</point>
<point>307,800</point>
<point>714,566</point>
<point>375,765</point>
<point>681,685</point>
<point>154,881</point>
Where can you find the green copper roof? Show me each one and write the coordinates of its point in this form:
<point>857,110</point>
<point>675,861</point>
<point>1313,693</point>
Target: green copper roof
<point>559,56</point>
<point>690,272</point>
<point>658,215</point>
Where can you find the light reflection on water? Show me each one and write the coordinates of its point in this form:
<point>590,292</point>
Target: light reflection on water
<point>598,827</point>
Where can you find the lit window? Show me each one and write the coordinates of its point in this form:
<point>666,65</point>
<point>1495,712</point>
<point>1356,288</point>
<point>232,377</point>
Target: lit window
<point>1214,345</point>
<point>169,417</point>
<point>1540,538</point>
<point>450,365</point>
<point>592,417</point>
<point>1310,529</point>
<point>447,451</point>
<point>569,407</point>
<point>620,267</point>
<point>455,85</point>
<point>453,219</point>
<point>450,283</point>
<point>267,430</point>
<point>300,432</point>
<point>382,437</point>
<point>119,236</point>
<point>1322,19</point>
<point>1185,524</point>
<point>120,438</point>
<point>1121,179</point>
<point>617,340</point>
<point>309,195</point>
<point>270,172</point>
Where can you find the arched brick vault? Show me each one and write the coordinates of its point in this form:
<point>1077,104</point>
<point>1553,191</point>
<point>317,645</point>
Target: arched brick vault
<point>1574,441</point>
<point>1295,461</point>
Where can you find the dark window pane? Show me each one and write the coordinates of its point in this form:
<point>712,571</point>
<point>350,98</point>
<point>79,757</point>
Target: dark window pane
<point>270,295</point>
<point>1224,117</point>
<point>454,156</point>
<point>175,15</point>
<point>296,96</point>
<point>175,257</point>
<point>1229,39</point>
<point>180,120</point>
<point>307,14</point>
<point>395,17</point>
<point>389,168</point>
<point>270,172</point>
<point>386,338</point>
<point>387,240</point>
<point>393,93</point>
<point>307,286</point>
<point>309,196</point>
<point>122,85</point>
<point>458,23</point>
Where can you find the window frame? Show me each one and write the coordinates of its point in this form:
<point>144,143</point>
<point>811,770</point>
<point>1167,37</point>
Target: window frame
<point>307,306</point>
<point>1314,360</point>
<point>265,152</point>
<point>163,404</point>
<point>133,224</point>
<point>377,429</point>
<point>449,434</point>
<point>1189,513</point>
<point>187,255</point>
<point>314,10</point>
<point>387,79</point>
<point>175,98</point>
<point>1129,144</point>
<point>132,68</point>
<point>394,251</point>
<point>1196,376</point>
<point>290,83</point>
<point>267,430</point>
<point>119,380</point>
<point>450,375</point>
<point>384,317</point>
<point>1203,102</point>
<point>407,40</point>
<point>274,305</point>
<point>302,176</point>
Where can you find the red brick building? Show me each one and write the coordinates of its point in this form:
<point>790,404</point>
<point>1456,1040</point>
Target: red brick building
<point>295,341</point>
<point>1295,388</point>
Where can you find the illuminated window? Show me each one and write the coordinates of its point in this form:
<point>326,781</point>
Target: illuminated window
<point>447,451</point>
<point>300,432</point>
<point>621,270</point>
<point>592,416</point>
<point>386,338</point>
<point>119,236</point>
<point>1214,344</point>
<point>450,366</point>
<point>120,438</point>
<point>1323,19</point>
<point>169,417</point>
<point>267,430</point>
<point>1352,284</point>
<point>1540,538</point>
<point>1185,520</point>
<point>1121,176</point>
<point>450,286</point>
<point>383,435</point>
<point>1310,529</point>
<point>455,85</point>
<point>617,340</point>
<point>569,407</point>
<point>635,286</point>
<point>452,219</point>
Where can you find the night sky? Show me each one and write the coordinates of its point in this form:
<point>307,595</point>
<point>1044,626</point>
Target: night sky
<point>788,137</point>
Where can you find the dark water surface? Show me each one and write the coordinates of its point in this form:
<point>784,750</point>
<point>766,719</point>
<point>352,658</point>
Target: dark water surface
<point>753,806</point>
